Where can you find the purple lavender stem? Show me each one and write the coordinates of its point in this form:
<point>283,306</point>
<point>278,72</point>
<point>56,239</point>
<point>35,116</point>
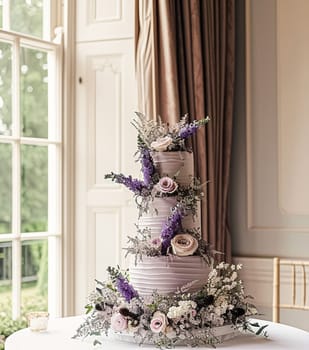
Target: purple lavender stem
<point>188,130</point>
<point>171,227</point>
<point>147,166</point>
<point>135,185</point>
<point>125,289</point>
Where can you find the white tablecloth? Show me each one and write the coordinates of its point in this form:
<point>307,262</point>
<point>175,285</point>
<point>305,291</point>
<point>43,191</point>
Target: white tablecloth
<point>59,333</point>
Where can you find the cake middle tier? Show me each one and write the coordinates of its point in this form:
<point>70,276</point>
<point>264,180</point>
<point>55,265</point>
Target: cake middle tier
<point>166,274</point>
<point>159,211</point>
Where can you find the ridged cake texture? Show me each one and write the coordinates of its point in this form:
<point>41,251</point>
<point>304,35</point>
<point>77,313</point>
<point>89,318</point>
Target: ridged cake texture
<point>175,164</point>
<point>168,273</point>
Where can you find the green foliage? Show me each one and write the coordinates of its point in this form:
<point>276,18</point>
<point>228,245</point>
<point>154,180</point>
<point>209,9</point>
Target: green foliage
<point>26,17</point>
<point>43,271</point>
<point>32,301</point>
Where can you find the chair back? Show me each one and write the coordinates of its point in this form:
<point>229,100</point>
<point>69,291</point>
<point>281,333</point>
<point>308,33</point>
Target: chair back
<point>297,280</point>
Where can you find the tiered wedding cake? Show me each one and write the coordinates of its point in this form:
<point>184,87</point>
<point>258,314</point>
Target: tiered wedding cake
<point>172,293</point>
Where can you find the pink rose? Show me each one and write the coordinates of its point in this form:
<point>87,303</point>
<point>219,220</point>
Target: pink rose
<point>167,185</point>
<point>184,244</point>
<point>162,143</point>
<point>155,242</point>
<point>118,322</point>
<point>158,322</point>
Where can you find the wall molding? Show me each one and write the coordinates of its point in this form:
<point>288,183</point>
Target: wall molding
<point>275,218</point>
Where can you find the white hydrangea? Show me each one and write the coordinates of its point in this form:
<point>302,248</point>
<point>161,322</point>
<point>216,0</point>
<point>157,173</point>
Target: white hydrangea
<point>184,307</point>
<point>234,276</point>
<point>212,274</point>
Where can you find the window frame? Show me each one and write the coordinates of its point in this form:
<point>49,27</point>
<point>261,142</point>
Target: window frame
<point>57,171</point>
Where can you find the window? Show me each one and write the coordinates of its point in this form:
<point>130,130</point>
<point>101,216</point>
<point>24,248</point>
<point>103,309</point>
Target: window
<point>30,157</point>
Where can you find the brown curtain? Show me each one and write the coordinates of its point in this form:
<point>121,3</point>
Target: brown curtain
<point>193,51</point>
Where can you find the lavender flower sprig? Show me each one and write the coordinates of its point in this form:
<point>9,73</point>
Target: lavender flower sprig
<point>125,288</point>
<point>121,283</point>
<point>190,129</point>
<point>171,227</point>
<point>138,187</point>
<point>148,168</point>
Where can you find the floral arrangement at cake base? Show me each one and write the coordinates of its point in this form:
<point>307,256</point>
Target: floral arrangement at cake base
<point>169,320</point>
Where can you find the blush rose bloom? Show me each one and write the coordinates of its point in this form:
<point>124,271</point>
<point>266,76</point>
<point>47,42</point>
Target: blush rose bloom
<point>118,322</point>
<point>167,185</point>
<point>158,323</point>
<point>161,143</point>
<point>184,244</point>
<point>155,242</point>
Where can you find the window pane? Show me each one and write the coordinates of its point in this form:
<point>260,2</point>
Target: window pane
<point>34,188</point>
<point>26,16</point>
<point>5,188</point>
<point>34,276</point>
<point>5,88</point>
<point>34,93</point>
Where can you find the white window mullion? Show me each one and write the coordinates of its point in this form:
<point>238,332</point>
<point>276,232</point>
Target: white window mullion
<point>16,186</point>
<point>54,182</point>
<point>54,225</point>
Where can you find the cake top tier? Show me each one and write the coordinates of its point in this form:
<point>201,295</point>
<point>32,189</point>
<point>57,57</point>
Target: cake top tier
<point>153,139</point>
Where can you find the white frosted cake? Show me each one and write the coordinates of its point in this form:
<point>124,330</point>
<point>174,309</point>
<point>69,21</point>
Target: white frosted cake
<point>172,293</point>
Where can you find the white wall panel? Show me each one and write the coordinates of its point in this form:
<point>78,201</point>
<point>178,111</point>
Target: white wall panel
<point>104,19</point>
<point>277,123</point>
<point>105,142</point>
<point>108,233</point>
<point>268,181</point>
<point>105,96</point>
<point>293,105</point>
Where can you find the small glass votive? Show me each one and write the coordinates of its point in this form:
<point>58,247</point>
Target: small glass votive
<point>38,321</point>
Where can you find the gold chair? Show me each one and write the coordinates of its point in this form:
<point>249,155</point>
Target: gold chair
<point>298,282</point>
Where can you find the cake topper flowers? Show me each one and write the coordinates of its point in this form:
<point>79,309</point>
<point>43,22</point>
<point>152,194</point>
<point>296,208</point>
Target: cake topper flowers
<point>162,137</point>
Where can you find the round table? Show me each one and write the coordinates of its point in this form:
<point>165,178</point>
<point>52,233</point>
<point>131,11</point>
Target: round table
<point>60,331</point>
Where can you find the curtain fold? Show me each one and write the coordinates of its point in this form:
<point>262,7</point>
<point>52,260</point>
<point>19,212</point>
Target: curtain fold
<point>194,60</point>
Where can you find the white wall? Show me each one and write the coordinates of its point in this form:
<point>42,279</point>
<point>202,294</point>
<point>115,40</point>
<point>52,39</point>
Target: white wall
<point>270,166</point>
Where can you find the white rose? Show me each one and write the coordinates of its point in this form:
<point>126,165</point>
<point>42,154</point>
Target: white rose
<point>184,244</point>
<point>167,185</point>
<point>161,143</point>
<point>118,322</point>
